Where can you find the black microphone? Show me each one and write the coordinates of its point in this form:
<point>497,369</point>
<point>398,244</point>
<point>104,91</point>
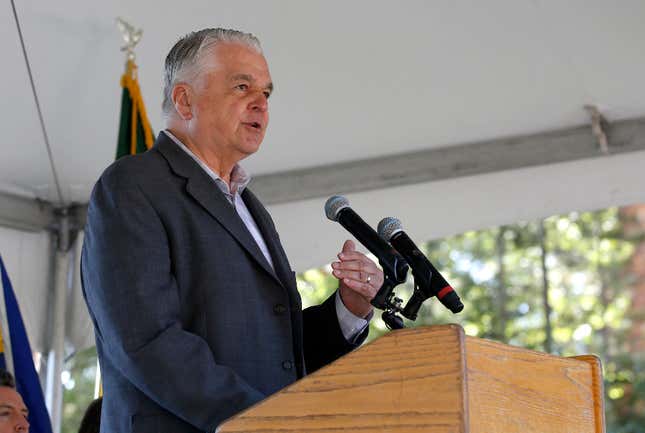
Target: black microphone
<point>429,280</point>
<point>394,267</point>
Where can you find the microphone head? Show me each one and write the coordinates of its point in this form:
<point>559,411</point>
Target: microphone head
<point>388,227</point>
<point>334,205</point>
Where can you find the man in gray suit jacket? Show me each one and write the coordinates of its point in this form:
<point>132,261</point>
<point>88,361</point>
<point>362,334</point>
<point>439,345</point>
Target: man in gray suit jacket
<point>194,303</point>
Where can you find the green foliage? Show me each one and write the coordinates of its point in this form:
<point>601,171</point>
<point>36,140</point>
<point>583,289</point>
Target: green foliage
<point>78,392</point>
<point>625,389</point>
<point>316,285</point>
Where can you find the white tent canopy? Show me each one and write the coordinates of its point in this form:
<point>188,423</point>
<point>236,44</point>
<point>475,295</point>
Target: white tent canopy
<point>359,85</point>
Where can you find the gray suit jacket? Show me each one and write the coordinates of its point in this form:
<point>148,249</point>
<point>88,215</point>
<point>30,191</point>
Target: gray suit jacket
<point>192,324</point>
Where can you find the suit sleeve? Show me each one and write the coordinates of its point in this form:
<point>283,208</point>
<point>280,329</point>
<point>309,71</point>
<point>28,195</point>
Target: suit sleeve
<point>323,338</point>
<point>134,300</point>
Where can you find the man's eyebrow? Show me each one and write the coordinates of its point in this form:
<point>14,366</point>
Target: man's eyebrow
<point>250,79</point>
<point>9,406</point>
<point>245,77</point>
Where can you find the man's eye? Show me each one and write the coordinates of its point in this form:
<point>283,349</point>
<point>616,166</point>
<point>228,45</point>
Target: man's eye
<point>267,94</point>
<point>242,86</point>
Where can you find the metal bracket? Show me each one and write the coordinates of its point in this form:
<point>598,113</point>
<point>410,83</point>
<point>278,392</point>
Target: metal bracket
<point>598,126</point>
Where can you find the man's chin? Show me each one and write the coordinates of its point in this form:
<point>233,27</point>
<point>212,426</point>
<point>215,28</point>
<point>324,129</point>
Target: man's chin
<point>250,147</point>
<point>254,142</point>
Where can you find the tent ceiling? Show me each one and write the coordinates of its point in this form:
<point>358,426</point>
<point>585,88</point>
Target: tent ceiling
<point>24,168</point>
<point>354,79</point>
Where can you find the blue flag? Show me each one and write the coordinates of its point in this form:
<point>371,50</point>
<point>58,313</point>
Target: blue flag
<point>24,372</point>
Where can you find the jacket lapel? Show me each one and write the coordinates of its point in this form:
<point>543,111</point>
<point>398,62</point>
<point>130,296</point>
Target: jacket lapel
<point>204,190</point>
<point>271,238</point>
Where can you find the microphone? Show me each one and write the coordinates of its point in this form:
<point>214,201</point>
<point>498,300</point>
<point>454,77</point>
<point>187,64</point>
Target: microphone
<point>394,267</point>
<point>430,281</point>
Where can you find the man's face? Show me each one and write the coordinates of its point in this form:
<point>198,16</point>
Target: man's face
<point>13,412</point>
<point>230,105</point>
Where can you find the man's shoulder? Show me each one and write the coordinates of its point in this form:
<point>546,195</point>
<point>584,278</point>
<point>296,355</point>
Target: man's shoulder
<point>135,168</point>
<point>131,175</point>
<point>150,160</point>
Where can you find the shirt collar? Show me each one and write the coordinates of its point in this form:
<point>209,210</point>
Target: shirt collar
<point>239,177</point>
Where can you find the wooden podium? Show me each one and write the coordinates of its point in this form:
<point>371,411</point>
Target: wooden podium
<point>436,379</point>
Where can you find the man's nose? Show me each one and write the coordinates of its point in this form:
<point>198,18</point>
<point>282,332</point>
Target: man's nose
<point>259,102</point>
<point>22,426</point>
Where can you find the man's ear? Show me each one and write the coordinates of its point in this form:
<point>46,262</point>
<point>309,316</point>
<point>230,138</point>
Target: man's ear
<point>182,99</point>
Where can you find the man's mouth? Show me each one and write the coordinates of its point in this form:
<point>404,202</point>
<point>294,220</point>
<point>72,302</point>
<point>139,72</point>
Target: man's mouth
<point>255,125</point>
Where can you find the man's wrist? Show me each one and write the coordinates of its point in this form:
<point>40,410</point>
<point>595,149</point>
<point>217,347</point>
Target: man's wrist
<point>351,325</point>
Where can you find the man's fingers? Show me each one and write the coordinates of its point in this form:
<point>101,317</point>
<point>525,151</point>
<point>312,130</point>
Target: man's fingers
<point>363,289</point>
<point>348,266</point>
<point>355,265</point>
<point>357,273</point>
<point>359,276</point>
<point>352,255</point>
<point>348,247</point>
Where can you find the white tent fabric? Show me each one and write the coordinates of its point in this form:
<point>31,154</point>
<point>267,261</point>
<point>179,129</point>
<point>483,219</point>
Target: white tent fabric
<point>27,257</point>
<point>353,79</point>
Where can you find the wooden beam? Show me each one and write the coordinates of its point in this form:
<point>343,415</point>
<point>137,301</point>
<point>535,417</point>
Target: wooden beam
<point>448,162</point>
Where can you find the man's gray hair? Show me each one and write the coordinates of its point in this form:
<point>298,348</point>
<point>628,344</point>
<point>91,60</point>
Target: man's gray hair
<point>184,59</point>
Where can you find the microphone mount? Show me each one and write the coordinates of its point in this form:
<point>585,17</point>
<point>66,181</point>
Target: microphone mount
<point>428,282</point>
<point>387,300</point>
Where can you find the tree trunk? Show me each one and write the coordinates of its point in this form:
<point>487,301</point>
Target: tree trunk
<point>500,295</point>
<point>548,341</point>
<point>634,227</point>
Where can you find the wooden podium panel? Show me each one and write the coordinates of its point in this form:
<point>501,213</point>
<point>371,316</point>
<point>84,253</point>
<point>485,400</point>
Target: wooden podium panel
<point>516,390</point>
<point>435,379</point>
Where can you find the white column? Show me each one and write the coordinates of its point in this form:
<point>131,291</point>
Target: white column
<point>56,356</point>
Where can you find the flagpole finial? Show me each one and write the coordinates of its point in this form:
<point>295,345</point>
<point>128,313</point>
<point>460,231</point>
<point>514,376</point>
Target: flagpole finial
<point>131,37</point>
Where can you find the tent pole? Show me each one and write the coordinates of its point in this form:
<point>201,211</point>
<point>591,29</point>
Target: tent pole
<point>56,356</point>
